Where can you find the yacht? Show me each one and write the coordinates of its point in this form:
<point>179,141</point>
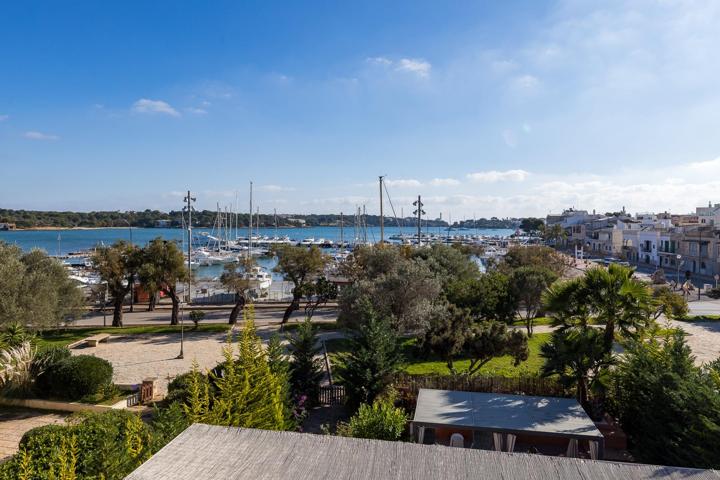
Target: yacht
<point>259,278</point>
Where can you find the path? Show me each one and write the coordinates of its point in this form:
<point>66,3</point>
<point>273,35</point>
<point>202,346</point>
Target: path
<point>162,317</point>
<point>136,357</point>
<point>15,422</point>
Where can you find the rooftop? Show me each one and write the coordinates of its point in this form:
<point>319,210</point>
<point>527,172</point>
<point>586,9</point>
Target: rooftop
<point>219,453</point>
<point>497,412</point>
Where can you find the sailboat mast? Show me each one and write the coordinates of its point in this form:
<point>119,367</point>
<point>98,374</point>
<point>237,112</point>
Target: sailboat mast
<point>275,219</point>
<point>382,225</point>
<point>249,245</point>
<point>342,238</point>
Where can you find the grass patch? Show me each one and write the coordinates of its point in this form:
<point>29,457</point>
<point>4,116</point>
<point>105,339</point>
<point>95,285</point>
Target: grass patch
<point>321,326</point>
<point>699,318</point>
<point>536,322</point>
<point>67,336</point>
<point>417,365</point>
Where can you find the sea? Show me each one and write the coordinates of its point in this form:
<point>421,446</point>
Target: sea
<point>62,242</point>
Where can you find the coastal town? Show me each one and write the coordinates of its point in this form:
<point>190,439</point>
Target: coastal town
<point>359,240</point>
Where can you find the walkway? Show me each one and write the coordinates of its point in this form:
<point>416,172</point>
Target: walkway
<point>15,422</point>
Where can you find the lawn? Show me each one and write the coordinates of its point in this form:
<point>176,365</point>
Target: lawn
<point>416,365</point>
<point>700,318</point>
<point>537,321</point>
<point>67,336</point>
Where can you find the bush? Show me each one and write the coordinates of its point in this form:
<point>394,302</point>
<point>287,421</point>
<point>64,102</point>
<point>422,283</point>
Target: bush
<point>379,421</point>
<point>178,389</point>
<point>75,377</point>
<point>669,408</point>
<point>714,292</point>
<point>196,316</point>
<point>106,445</point>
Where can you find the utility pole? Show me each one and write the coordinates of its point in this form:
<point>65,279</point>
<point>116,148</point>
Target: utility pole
<point>419,212</point>
<point>382,226</point>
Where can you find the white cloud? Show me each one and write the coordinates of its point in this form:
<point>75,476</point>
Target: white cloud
<point>417,66</point>
<point>379,61</point>
<point>525,83</point>
<point>40,136</point>
<point>709,165</point>
<point>403,183</point>
<point>444,182</point>
<point>145,105</point>
<point>196,111</point>
<point>493,176</point>
<point>4,117</point>
<point>274,188</point>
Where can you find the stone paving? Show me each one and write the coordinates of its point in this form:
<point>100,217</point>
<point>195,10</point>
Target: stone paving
<point>15,422</point>
<point>136,357</point>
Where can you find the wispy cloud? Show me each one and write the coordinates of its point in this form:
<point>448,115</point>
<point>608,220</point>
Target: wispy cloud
<point>416,66</point>
<point>4,117</point>
<point>274,188</point>
<point>196,111</point>
<point>40,136</point>
<point>492,176</point>
<point>148,106</point>
<point>444,182</point>
<point>403,183</point>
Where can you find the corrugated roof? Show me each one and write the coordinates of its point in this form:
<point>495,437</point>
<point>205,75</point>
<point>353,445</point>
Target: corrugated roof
<point>504,413</point>
<point>204,452</point>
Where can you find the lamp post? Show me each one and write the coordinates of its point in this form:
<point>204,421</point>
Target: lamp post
<point>132,284</point>
<point>678,257</point>
<point>182,330</point>
<point>699,258</point>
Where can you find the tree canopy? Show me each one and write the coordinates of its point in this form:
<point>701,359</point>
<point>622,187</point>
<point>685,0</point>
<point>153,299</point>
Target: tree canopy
<point>36,290</point>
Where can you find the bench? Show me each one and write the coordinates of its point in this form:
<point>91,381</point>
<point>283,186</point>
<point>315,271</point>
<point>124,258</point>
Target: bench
<point>91,341</point>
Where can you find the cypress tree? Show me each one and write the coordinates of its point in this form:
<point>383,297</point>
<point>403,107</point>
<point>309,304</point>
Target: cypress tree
<point>306,368</point>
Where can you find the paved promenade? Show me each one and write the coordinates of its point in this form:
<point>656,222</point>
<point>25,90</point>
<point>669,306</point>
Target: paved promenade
<point>15,422</point>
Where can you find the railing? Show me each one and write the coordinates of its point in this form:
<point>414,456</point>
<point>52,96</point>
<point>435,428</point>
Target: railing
<point>332,395</point>
<point>133,399</point>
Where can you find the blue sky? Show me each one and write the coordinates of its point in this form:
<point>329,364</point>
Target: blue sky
<point>485,108</point>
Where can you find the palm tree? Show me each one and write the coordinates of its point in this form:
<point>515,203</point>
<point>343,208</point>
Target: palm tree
<point>553,233</point>
<point>611,297</point>
<point>589,312</point>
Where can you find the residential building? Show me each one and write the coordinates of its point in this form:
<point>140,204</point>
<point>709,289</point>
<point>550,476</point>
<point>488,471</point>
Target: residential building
<point>709,215</point>
<point>699,251</point>
<point>574,223</point>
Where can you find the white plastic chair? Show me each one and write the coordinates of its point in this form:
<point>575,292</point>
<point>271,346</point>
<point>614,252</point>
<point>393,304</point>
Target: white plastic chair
<point>457,440</point>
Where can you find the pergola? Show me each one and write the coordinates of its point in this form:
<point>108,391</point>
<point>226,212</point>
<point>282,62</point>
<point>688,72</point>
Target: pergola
<point>506,417</point>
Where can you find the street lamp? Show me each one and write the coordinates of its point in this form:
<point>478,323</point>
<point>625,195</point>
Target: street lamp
<point>182,332</point>
<point>132,284</point>
<point>677,279</point>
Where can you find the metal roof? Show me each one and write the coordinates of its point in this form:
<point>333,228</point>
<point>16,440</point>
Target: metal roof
<point>204,452</point>
<point>497,412</point>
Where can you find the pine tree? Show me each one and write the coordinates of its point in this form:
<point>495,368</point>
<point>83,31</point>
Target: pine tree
<point>306,369</point>
<point>373,359</point>
<point>247,393</point>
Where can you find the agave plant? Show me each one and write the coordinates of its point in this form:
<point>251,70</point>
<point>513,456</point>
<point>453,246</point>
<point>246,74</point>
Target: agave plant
<point>18,368</point>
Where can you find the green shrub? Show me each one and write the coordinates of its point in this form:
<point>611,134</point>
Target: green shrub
<point>714,292</point>
<point>167,424</point>
<point>178,389</point>
<point>196,316</point>
<point>380,421</point>
<point>76,377</point>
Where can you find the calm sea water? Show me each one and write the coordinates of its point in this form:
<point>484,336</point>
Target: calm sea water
<point>61,242</point>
